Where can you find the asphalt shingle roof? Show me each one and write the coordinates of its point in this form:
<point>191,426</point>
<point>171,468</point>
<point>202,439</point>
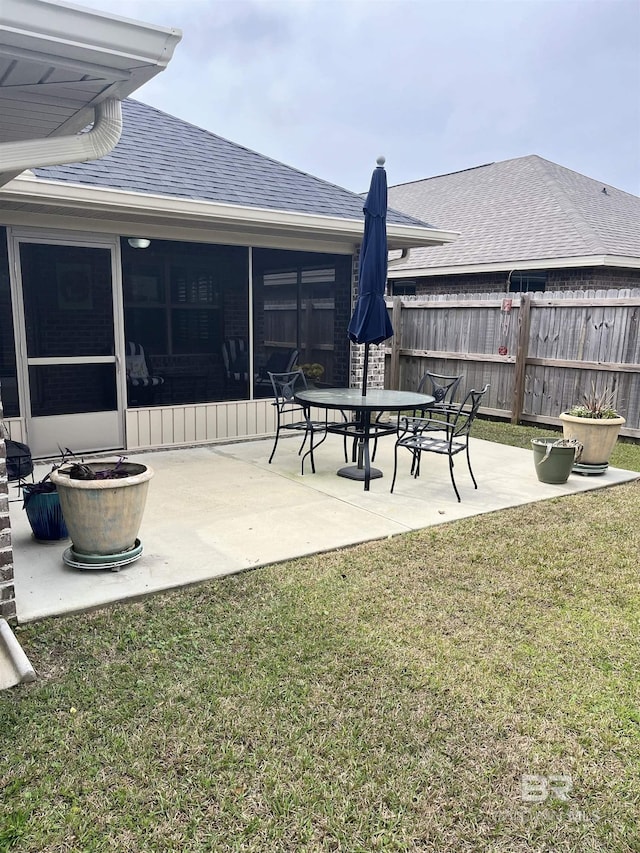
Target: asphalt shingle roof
<point>160,154</point>
<point>520,210</point>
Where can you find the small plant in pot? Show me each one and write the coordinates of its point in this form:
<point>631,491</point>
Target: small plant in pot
<point>41,502</point>
<point>103,504</point>
<point>595,423</point>
<point>554,458</point>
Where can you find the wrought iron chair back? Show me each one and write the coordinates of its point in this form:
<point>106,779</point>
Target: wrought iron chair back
<point>441,388</point>
<point>284,387</point>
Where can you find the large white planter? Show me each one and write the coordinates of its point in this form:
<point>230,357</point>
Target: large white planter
<point>597,436</point>
<point>103,516</point>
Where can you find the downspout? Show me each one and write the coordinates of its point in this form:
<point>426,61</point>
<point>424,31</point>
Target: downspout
<point>404,255</point>
<point>56,150</point>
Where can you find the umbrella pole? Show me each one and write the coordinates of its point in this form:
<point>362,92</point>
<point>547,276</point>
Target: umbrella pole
<point>365,370</point>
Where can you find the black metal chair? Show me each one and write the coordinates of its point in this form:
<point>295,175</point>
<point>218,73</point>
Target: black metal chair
<point>442,389</point>
<point>354,429</point>
<point>19,461</point>
<point>284,387</point>
<point>417,435</point>
<point>281,361</point>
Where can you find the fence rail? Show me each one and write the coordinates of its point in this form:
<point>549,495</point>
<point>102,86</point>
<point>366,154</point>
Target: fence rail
<point>540,352</point>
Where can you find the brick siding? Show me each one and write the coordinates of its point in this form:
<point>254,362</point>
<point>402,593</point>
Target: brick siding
<point>375,374</point>
<point>7,590</point>
<point>579,278</point>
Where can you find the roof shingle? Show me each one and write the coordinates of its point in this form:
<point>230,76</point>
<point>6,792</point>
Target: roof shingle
<point>160,154</point>
<point>520,210</point>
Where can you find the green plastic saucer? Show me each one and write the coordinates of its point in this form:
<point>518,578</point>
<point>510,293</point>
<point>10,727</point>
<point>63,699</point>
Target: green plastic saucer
<point>103,561</point>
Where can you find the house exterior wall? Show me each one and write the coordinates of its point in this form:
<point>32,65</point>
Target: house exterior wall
<point>7,590</point>
<point>172,423</point>
<point>579,278</point>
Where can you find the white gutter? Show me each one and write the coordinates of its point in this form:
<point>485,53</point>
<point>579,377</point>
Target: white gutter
<point>35,191</point>
<point>68,35</point>
<point>56,150</point>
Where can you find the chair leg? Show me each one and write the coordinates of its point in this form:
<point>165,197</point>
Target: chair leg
<point>309,453</point>
<point>455,488</point>
<point>275,443</point>
<point>415,464</point>
<point>304,441</point>
<point>395,467</point>
<point>475,485</point>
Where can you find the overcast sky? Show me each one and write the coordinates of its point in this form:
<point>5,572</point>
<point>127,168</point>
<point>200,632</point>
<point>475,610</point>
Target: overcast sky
<point>328,85</point>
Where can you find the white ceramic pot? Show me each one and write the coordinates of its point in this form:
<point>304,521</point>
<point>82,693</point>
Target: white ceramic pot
<point>597,436</point>
<point>103,516</point>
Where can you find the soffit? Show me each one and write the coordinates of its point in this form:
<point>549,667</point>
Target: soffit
<point>58,61</point>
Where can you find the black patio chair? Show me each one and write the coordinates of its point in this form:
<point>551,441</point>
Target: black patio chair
<point>284,387</point>
<point>281,361</point>
<point>455,426</point>
<point>19,461</point>
<point>442,389</point>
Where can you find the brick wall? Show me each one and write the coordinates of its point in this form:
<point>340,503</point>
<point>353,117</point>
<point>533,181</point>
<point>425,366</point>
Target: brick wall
<point>579,278</point>
<point>375,373</point>
<point>7,591</point>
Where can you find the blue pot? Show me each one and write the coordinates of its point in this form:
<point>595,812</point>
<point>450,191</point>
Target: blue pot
<point>45,515</point>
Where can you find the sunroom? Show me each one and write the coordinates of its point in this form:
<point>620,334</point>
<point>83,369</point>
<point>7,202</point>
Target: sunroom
<point>145,295</point>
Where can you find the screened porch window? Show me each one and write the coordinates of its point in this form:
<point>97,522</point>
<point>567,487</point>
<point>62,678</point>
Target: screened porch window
<point>181,300</point>
<point>301,306</point>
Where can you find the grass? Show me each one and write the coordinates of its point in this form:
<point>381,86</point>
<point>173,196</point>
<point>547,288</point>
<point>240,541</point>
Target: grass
<point>386,697</point>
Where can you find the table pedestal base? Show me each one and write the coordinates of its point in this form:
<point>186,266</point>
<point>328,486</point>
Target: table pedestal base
<point>352,472</point>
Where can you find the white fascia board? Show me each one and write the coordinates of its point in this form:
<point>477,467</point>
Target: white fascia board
<point>519,265</point>
<point>68,33</point>
<point>27,190</point>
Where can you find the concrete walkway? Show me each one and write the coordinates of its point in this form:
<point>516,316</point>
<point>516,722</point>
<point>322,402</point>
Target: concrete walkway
<point>220,509</point>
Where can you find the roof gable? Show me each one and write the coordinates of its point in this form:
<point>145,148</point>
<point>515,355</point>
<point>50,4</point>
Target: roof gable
<point>520,210</point>
<point>160,154</point>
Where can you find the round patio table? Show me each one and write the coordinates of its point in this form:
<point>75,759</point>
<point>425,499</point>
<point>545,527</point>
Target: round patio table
<point>351,399</point>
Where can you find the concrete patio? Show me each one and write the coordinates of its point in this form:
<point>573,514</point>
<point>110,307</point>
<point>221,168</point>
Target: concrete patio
<point>219,509</point>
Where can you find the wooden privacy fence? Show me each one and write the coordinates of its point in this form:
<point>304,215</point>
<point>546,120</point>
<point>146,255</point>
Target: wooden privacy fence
<point>540,352</point>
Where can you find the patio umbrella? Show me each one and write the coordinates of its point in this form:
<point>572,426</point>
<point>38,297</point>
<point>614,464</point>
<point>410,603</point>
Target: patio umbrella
<point>370,322</point>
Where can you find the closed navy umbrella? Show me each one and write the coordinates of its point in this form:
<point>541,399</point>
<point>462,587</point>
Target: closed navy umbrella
<point>370,322</point>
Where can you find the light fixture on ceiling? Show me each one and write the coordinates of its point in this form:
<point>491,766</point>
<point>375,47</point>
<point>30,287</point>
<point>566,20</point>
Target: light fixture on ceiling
<point>139,242</point>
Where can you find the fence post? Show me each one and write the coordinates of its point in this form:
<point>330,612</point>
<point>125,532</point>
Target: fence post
<point>396,322</point>
<point>524,324</point>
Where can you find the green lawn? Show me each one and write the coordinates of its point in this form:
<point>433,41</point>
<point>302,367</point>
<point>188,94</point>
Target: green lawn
<point>386,697</point>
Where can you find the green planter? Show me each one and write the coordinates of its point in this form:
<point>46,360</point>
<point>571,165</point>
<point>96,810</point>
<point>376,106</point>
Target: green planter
<point>554,459</point>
